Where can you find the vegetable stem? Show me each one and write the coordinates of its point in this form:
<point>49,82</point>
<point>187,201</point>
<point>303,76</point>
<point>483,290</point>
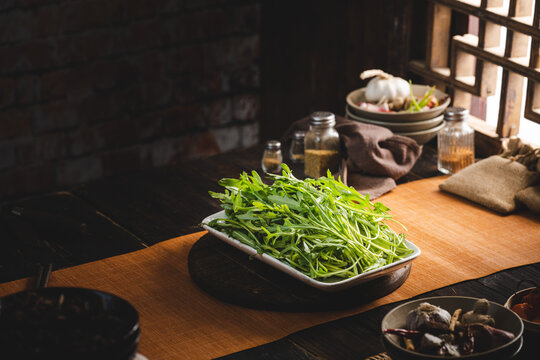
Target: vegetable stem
<point>320,227</point>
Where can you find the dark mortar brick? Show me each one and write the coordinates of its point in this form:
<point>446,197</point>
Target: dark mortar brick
<point>7,91</point>
<point>228,138</point>
<point>14,123</point>
<point>7,155</point>
<point>250,135</point>
<point>245,77</point>
<point>120,161</point>
<point>218,112</point>
<point>181,118</point>
<point>155,94</point>
<point>55,116</point>
<point>246,107</point>
<point>27,90</point>
<point>79,170</point>
<point>148,126</point>
<point>25,151</point>
<point>32,178</point>
<point>53,85</point>
<point>202,145</point>
<point>84,141</point>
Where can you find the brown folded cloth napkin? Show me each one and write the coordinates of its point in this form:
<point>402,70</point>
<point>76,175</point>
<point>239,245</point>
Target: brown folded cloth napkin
<point>373,156</point>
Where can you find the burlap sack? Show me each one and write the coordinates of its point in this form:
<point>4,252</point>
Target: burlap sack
<point>530,197</point>
<point>526,154</point>
<point>492,182</point>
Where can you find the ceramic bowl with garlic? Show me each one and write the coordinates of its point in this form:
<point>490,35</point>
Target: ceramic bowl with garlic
<point>390,98</point>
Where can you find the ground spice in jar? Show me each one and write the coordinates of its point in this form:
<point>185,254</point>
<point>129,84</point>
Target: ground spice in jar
<point>318,162</point>
<point>457,160</point>
<point>321,145</point>
<point>271,165</point>
<point>455,142</point>
<point>272,158</point>
<point>297,158</point>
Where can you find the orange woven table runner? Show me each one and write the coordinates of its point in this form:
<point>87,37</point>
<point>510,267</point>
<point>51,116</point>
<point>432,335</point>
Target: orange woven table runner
<point>459,241</point>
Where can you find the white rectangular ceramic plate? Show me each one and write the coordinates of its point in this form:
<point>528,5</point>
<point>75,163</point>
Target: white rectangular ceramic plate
<point>325,286</point>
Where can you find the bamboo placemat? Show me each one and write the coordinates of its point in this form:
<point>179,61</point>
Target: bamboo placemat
<point>459,241</point>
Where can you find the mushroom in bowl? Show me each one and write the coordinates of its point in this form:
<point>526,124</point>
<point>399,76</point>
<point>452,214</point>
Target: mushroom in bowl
<point>452,326</point>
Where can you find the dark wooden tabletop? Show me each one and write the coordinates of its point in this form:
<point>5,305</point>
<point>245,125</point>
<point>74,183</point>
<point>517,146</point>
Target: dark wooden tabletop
<point>133,211</point>
<point>126,213</point>
<point>358,336</point>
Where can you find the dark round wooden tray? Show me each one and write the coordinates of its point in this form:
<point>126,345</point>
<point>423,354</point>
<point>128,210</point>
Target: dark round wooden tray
<point>231,276</point>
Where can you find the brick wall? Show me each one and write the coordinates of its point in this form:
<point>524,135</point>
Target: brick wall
<point>92,88</point>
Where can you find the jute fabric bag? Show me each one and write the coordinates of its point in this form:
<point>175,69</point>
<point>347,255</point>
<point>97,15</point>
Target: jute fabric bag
<point>515,149</point>
<point>530,197</point>
<point>493,182</point>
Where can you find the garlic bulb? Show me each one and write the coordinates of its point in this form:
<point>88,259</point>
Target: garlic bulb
<point>384,86</point>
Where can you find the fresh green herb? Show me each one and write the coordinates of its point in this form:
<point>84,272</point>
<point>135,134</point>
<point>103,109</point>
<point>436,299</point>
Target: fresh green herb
<point>322,227</point>
<point>423,102</point>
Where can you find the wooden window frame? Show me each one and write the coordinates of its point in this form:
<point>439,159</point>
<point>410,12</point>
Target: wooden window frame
<point>467,64</point>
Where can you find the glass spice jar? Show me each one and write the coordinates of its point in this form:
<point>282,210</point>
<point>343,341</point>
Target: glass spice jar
<point>455,142</point>
<point>296,152</point>
<point>272,157</point>
<point>321,145</point>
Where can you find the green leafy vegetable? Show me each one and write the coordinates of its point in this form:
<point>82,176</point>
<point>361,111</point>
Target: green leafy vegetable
<point>322,227</point>
<point>423,102</point>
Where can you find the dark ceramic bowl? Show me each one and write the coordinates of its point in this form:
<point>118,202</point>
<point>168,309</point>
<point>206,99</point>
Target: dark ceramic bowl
<point>504,319</point>
<point>532,327</point>
<point>68,323</point>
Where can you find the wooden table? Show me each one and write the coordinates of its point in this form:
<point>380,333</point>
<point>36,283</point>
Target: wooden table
<point>130,212</point>
<point>358,336</point>
<point>126,213</point>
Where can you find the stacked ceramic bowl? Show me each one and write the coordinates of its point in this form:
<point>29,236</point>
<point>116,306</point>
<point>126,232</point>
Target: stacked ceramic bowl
<point>421,126</point>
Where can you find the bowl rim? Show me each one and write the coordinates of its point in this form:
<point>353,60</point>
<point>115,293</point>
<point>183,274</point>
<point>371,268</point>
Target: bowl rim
<point>516,348</point>
<point>134,322</point>
<point>401,115</point>
<point>421,132</point>
<point>435,120</point>
<point>317,284</point>
<point>470,356</point>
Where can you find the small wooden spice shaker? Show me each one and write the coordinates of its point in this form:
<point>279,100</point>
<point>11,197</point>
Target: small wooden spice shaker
<point>272,157</point>
<point>321,145</point>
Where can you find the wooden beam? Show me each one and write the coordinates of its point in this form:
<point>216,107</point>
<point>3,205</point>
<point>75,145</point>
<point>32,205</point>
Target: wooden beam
<point>469,43</point>
<point>486,140</point>
<point>532,102</point>
<point>512,23</point>
<point>462,98</point>
<point>512,83</point>
<point>438,35</point>
<point>489,36</point>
